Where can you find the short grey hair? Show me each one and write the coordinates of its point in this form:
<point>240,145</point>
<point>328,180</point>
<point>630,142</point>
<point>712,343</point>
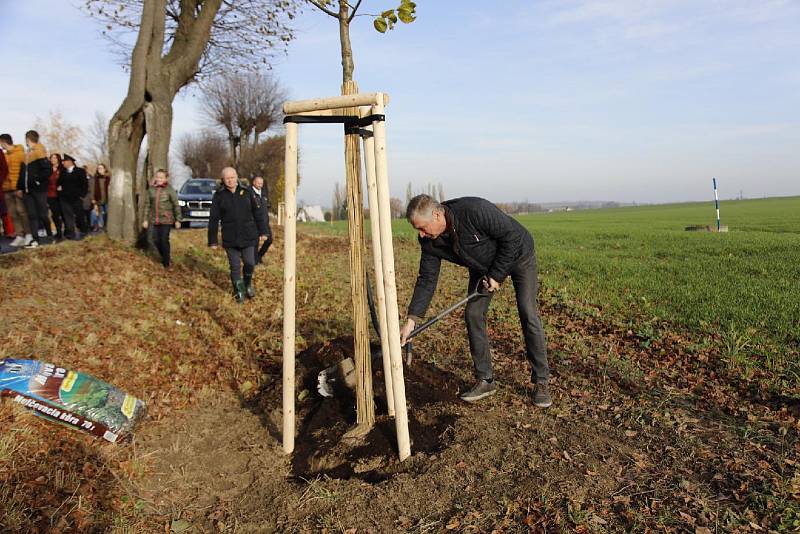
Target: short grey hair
<point>421,206</point>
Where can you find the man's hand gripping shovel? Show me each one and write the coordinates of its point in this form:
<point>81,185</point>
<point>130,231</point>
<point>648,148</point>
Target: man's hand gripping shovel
<point>344,371</point>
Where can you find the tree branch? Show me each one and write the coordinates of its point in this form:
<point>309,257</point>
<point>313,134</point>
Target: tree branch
<point>322,8</point>
<point>353,14</point>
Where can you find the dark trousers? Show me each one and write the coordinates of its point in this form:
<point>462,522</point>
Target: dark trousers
<point>55,214</point>
<point>72,210</point>
<point>265,247</point>
<point>161,240</point>
<point>526,287</point>
<point>236,256</point>
<point>36,208</point>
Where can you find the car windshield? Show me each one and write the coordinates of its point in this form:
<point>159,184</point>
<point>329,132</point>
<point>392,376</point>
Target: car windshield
<point>198,188</point>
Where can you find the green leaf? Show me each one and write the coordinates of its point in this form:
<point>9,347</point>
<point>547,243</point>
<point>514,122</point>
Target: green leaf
<point>380,25</point>
<point>392,18</point>
<point>407,17</point>
<point>388,13</point>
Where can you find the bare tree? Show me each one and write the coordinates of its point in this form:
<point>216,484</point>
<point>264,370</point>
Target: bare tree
<point>58,134</point>
<point>266,160</point>
<point>97,139</point>
<point>339,208</point>
<point>205,153</point>
<point>177,41</point>
<point>396,207</point>
<point>245,105</point>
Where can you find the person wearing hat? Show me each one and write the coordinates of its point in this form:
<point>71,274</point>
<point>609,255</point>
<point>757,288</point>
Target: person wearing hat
<point>72,186</point>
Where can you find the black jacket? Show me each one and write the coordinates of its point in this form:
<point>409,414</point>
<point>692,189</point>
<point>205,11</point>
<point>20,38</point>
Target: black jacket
<point>480,237</point>
<point>34,176</point>
<point>74,185</point>
<point>264,201</point>
<point>240,213</point>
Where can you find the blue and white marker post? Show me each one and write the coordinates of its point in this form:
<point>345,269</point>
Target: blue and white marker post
<point>716,200</point>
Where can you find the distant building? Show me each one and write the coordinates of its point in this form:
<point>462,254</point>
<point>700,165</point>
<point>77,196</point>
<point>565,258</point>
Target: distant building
<point>310,214</point>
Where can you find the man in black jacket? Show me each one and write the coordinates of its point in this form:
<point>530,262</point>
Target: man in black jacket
<point>72,186</point>
<point>32,187</point>
<point>474,233</point>
<point>243,229</point>
<point>259,189</point>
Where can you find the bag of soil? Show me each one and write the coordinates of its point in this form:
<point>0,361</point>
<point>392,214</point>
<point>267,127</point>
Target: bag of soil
<point>74,399</point>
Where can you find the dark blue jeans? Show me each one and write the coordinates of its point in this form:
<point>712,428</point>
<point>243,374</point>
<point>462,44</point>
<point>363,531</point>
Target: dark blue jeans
<point>526,287</point>
<point>235,257</point>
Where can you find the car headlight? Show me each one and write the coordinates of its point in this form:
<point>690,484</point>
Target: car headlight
<point>181,203</point>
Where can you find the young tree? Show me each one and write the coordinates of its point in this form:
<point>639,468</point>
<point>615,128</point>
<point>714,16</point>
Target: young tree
<point>177,41</point>
<point>344,14</point>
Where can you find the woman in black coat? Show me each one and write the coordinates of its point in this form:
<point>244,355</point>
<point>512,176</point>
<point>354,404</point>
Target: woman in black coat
<point>243,229</point>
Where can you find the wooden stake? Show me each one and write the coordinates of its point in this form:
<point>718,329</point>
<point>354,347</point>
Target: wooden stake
<point>333,102</point>
<point>387,252</point>
<point>365,404</point>
<point>289,282</point>
<point>374,222</point>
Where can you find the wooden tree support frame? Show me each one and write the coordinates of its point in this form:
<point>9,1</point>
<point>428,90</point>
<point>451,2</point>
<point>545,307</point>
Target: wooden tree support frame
<point>376,163</point>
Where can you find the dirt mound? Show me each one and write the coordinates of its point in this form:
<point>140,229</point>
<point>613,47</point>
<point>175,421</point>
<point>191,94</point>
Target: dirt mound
<point>319,445</point>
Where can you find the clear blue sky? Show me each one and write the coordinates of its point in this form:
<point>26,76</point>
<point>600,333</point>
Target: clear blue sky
<point>544,101</point>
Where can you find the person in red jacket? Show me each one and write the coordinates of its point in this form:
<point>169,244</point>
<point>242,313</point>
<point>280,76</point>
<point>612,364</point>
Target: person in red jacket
<point>52,195</point>
<point>8,224</point>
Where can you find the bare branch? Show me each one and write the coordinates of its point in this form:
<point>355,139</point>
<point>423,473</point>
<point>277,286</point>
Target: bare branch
<point>322,8</point>
<point>353,14</point>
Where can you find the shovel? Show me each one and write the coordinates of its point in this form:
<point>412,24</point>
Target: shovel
<point>344,371</point>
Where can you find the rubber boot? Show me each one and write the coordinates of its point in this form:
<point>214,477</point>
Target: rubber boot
<point>238,291</point>
<point>248,285</point>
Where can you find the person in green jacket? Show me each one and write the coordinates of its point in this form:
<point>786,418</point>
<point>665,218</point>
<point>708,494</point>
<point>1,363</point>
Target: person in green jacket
<point>162,212</point>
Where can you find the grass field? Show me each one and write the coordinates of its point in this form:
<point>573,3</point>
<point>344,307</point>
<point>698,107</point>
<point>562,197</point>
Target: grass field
<point>640,264</point>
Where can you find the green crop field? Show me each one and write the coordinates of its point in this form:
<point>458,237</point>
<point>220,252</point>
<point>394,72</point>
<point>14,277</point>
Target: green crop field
<point>639,263</point>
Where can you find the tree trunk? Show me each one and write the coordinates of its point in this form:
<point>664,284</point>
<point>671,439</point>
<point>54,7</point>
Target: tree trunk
<point>124,142</point>
<point>158,114</point>
<point>147,109</point>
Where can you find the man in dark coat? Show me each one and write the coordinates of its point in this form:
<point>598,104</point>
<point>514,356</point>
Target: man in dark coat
<point>32,187</point>
<point>243,229</point>
<point>72,187</point>
<point>474,233</point>
<point>259,189</point>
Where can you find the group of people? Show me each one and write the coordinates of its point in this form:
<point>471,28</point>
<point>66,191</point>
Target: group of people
<point>48,197</point>
<point>242,212</point>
